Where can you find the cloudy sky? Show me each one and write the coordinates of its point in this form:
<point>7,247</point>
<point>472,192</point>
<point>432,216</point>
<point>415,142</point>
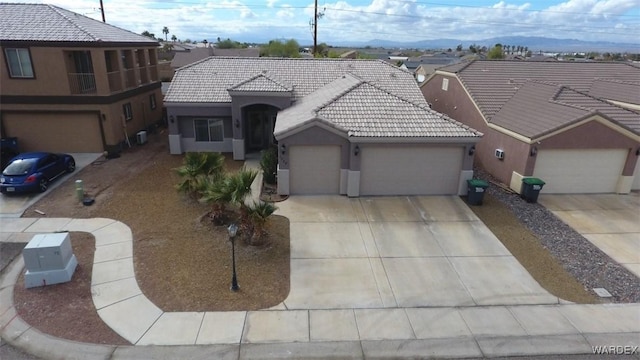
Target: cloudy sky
<point>362,20</point>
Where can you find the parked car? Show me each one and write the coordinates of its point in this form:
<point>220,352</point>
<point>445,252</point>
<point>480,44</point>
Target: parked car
<point>32,172</point>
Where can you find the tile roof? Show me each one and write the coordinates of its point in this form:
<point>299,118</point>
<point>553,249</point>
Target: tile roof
<point>42,22</point>
<point>208,80</point>
<point>367,98</point>
<point>261,83</point>
<point>361,109</point>
<point>513,94</point>
<point>617,90</point>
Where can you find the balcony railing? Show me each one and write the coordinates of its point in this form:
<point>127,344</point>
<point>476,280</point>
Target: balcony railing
<point>82,83</point>
<point>153,71</point>
<point>144,77</point>
<point>115,81</point>
<point>130,79</point>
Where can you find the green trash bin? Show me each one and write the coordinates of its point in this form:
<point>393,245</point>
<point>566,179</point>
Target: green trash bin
<point>475,191</point>
<point>531,189</point>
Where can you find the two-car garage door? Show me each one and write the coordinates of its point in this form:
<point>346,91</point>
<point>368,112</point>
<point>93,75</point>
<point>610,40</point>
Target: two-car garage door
<point>410,170</point>
<point>580,171</point>
<point>384,170</point>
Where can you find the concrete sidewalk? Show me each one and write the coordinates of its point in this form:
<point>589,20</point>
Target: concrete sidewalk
<point>395,312</point>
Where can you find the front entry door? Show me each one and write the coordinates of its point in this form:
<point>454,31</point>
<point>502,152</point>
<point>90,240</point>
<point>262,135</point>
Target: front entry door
<point>260,129</point>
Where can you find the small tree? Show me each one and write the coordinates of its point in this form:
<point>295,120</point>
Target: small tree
<point>269,165</point>
<point>258,216</point>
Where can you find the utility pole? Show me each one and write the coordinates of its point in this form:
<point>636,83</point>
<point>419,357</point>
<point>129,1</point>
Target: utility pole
<point>102,11</point>
<point>315,28</point>
<point>314,24</point>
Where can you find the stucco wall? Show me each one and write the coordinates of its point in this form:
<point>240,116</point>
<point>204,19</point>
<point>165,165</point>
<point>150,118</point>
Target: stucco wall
<point>212,110</point>
<point>313,136</point>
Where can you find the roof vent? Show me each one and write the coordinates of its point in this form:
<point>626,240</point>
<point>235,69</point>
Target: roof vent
<point>511,81</point>
<point>392,75</point>
<point>264,71</point>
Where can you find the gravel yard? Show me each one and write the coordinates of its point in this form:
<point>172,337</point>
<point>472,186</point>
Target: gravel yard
<point>579,257</point>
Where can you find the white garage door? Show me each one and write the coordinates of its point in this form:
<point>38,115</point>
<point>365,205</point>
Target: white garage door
<point>410,170</point>
<point>580,171</point>
<point>314,169</point>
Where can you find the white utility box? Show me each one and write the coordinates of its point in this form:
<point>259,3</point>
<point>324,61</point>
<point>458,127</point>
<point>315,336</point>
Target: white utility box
<point>49,260</point>
<point>141,137</point>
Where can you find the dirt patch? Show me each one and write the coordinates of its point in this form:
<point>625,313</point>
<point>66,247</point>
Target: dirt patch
<point>66,310</point>
<point>182,263</point>
<point>526,247</point>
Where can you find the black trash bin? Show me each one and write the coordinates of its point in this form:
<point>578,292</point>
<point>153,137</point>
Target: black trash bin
<point>475,191</point>
<point>531,189</point>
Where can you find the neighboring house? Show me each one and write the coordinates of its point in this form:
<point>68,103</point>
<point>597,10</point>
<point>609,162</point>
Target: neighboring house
<point>352,54</point>
<point>574,125</point>
<point>69,83</point>
<point>188,57</point>
<point>354,127</point>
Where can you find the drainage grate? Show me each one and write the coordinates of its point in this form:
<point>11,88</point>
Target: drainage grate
<point>602,292</point>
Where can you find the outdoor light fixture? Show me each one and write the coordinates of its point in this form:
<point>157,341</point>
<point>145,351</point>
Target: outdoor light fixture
<point>283,147</point>
<point>233,230</point>
<point>172,119</point>
<point>638,152</point>
<point>237,123</point>
<point>472,150</point>
<point>534,151</point>
<point>356,150</point>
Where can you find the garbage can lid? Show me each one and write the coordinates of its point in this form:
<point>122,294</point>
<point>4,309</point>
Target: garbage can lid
<point>478,183</point>
<point>533,181</point>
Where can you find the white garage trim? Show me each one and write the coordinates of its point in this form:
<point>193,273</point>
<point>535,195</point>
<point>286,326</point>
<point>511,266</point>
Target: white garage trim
<point>580,171</point>
<point>314,169</point>
<point>636,176</point>
<point>410,170</point>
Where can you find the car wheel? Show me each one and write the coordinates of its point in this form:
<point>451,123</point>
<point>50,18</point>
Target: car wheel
<point>71,166</point>
<point>43,185</point>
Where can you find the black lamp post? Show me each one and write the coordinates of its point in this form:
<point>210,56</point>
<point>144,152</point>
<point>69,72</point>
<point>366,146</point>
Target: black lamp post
<point>233,230</point>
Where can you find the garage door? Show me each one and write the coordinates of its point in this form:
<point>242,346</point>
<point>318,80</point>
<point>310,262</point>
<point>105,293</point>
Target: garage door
<point>54,132</point>
<point>314,169</point>
<point>410,170</point>
<point>580,171</point>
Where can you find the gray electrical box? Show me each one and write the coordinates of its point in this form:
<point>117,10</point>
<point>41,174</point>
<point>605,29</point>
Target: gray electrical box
<point>49,260</point>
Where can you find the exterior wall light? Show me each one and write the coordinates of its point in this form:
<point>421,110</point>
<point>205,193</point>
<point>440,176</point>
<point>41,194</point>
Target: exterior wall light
<point>283,148</point>
<point>356,150</point>
<point>472,150</point>
<point>172,119</point>
<point>237,122</point>
<point>534,151</point>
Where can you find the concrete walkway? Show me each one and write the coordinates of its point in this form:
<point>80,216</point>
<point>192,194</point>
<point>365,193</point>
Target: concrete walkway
<point>609,221</point>
<point>443,287</point>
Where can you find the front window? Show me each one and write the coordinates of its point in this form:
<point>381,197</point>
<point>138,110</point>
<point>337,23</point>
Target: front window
<point>128,113</point>
<point>209,129</point>
<point>19,62</point>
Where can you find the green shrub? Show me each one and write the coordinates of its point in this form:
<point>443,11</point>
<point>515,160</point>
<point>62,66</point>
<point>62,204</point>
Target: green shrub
<point>269,165</point>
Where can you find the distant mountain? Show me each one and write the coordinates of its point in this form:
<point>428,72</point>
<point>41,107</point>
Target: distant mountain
<point>534,44</point>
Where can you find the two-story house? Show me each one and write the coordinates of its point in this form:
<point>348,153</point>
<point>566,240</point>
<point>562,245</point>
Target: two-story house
<point>69,83</point>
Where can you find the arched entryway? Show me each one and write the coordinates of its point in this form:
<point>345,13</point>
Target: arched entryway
<point>259,122</point>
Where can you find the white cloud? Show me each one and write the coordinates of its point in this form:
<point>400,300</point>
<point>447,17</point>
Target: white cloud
<point>344,20</point>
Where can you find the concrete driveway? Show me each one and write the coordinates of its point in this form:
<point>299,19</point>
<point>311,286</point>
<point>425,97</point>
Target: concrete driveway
<point>15,205</point>
<point>609,221</point>
<point>388,252</point>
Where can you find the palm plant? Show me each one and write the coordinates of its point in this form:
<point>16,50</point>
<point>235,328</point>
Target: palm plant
<point>195,166</point>
<point>165,31</point>
<point>258,214</point>
<point>215,192</point>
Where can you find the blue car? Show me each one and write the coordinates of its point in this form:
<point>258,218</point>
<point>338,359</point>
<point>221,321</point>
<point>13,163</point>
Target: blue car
<point>32,172</point>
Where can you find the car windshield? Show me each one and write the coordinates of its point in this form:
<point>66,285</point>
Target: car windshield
<point>19,167</point>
